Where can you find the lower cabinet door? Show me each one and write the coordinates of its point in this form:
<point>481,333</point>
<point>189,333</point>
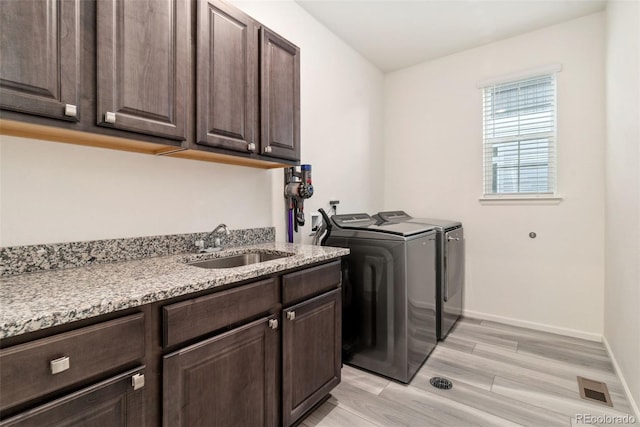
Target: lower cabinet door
<point>114,402</point>
<point>227,380</point>
<point>311,358</point>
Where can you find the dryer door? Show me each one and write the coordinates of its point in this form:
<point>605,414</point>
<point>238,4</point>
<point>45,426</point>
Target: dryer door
<point>454,263</point>
<point>454,279</point>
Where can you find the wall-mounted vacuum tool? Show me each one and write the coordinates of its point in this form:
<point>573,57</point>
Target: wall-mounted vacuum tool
<point>297,187</point>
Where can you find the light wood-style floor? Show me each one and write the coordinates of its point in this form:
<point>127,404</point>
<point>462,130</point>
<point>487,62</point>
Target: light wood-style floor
<point>502,376</point>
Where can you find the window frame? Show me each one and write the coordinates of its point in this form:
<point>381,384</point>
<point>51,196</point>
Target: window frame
<point>520,138</point>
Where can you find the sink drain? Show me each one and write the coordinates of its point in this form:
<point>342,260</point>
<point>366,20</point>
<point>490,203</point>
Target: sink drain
<point>441,383</point>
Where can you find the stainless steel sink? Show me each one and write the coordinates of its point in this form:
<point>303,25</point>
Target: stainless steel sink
<point>237,260</point>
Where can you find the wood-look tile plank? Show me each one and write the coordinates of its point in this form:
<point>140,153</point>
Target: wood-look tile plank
<point>471,332</point>
<point>456,343</point>
<point>551,400</point>
<point>377,409</point>
<point>545,344</point>
<point>466,319</point>
<point>494,404</point>
<point>366,381</point>
<point>330,415</point>
<point>520,331</point>
<point>541,380</point>
<point>565,354</point>
<point>542,339</point>
<point>445,410</point>
<point>557,371</point>
<point>451,368</point>
<point>548,366</point>
<point>478,365</point>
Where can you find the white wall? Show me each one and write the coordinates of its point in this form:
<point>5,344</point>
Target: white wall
<point>622,225</point>
<point>57,193</point>
<point>433,161</point>
<point>341,103</point>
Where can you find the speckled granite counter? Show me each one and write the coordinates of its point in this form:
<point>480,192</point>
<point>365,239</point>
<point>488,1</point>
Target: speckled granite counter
<point>34,301</point>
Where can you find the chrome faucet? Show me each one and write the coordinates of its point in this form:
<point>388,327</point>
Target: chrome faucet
<point>201,244</point>
<point>222,228</point>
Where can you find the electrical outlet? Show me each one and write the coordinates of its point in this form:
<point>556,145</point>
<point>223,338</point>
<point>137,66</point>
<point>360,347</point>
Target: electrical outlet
<point>315,221</point>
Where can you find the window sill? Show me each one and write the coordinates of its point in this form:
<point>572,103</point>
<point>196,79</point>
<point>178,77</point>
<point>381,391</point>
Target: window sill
<point>521,200</point>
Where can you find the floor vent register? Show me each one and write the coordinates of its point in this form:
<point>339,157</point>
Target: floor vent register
<point>441,383</point>
<point>595,391</point>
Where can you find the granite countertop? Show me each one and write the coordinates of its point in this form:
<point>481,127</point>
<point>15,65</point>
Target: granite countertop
<point>29,302</point>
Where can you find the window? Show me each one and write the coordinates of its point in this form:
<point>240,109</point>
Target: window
<point>520,137</point>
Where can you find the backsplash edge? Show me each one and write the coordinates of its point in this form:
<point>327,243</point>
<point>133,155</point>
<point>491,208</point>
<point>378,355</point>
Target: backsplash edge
<point>16,260</point>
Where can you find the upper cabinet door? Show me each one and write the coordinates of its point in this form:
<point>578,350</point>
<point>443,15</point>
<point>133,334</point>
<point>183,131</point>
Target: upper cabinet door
<point>280,97</point>
<point>39,57</point>
<point>142,65</point>
<point>227,77</point>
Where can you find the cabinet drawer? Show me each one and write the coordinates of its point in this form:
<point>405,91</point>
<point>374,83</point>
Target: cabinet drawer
<point>217,310</point>
<point>113,402</point>
<point>310,282</point>
<point>26,371</point>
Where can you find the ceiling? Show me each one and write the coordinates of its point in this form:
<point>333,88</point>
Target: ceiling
<point>395,34</point>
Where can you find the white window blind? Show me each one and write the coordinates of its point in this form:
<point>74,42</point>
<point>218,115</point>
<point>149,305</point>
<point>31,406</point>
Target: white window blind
<point>520,137</point>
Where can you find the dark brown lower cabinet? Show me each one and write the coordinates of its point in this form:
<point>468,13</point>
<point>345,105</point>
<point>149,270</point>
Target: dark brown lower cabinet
<point>234,357</point>
<point>113,403</point>
<point>311,357</point>
<point>227,380</point>
<point>265,373</point>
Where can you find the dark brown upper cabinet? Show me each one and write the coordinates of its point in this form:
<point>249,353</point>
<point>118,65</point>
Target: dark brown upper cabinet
<point>196,79</point>
<point>280,97</point>
<point>248,85</point>
<point>40,58</point>
<point>227,77</point>
<point>143,66</point>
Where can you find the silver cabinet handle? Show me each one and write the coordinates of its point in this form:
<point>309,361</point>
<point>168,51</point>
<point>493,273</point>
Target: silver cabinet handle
<point>273,323</point>
<point>267,149</point>
<point>59,365</point>
<point>449,238</point>
<point>110,117</point>
<point>291,315</point>
<point>137,381</point>
<point>70,110</point>
<point>251,146</point>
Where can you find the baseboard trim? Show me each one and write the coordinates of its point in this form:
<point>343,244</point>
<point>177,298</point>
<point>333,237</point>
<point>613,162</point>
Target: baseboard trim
<point>534,325</point>
<point>625,386</point>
